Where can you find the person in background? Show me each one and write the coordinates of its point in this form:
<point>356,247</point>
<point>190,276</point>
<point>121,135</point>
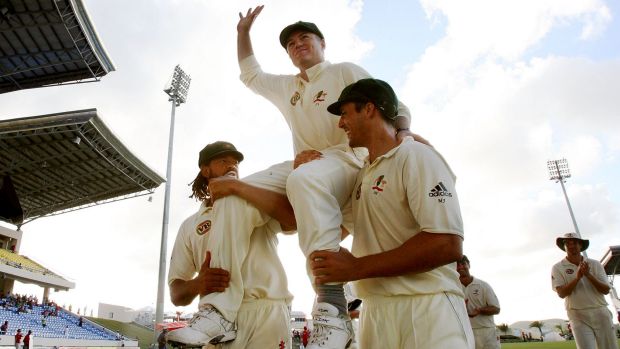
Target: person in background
<point>482,304</point>
<point>28,342</point>
<point>19,339</point>
<point>582,283</point>
<point>161,339</point>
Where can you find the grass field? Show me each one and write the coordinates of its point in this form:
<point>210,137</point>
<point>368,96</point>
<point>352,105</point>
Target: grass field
<point>542,345</point>
<point>145,337</point>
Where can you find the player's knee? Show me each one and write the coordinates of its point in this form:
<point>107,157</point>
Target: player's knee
<point>302,178</point>
<point>296,180</point>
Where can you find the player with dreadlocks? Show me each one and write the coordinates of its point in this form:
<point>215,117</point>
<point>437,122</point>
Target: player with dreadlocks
<point>263,318</point>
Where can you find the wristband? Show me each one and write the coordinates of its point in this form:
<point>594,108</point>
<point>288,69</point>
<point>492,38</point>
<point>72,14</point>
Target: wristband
<point>402,129</point>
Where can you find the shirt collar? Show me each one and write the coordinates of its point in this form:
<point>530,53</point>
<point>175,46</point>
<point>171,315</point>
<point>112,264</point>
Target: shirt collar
<point>314,71</point>
<point>204,209</point>
<point>390,153</point>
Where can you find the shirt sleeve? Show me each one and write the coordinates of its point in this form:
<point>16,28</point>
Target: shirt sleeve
<point>354,72</point>
<point>556,278</point>
<point>491,297</point>
<point>181,262</point>
<point>599,271</point>
<point>430,187</point>
<point>270,86</point>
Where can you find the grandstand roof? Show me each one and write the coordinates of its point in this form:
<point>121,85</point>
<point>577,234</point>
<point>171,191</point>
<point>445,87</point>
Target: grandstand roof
<point>48,42</point>
<point>25,270</point>
<point>611,260</point>
<point>55,163</point>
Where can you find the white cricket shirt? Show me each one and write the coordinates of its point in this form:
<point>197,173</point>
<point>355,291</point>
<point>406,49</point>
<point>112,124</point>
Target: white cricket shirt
<point>263,274</point>
<point>407,190</point>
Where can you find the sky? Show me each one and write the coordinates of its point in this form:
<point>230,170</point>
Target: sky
<point>498,87</point>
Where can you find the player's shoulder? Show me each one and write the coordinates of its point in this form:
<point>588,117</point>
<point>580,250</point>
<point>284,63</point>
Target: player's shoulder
<point>202,214</point>
<point>482,282</point>
<point>593,261</point>
<point>419,152</point>
<point>346,67</point>
<point>349,65</point>
<point>561,264</point>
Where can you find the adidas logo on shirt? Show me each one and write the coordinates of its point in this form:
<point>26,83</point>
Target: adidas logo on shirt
<point>439,190</point>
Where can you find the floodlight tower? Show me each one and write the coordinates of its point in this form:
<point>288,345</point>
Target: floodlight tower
<point>559,171</point>
<point>176,89</point>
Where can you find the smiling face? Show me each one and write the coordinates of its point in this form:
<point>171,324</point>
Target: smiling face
<point>572,246</point>
<point>305,49</point>
<point>352,123</point>
<point>462,267</point>
<point>223,165</point>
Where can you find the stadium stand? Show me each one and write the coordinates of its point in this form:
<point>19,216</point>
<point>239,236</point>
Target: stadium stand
<point>62,325</point>
<point>82,161</point>
<point>50,43</point>
<point>24,262</point>
<point>47,43</point>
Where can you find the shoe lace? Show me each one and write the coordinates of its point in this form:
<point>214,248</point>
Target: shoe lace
<point>199,314</point>
<point>320,334</point>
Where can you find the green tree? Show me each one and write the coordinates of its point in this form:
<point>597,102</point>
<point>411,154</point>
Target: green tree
<point>503,328</point>
<point>560,328</point>
<point>538,325</point>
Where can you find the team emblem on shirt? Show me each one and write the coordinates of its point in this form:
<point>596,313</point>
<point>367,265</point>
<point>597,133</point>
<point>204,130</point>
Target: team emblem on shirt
<point>569,271</point>
<point>295,98</point>
<point>379,185</point>
<point>203,227</point>
<point>440,192</point>
<point>358,192</point>
<point>320,97</point>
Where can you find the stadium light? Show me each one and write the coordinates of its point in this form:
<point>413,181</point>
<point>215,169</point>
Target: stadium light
<point>178,86</point>
<point>558,172</point>
<point>176,89</point>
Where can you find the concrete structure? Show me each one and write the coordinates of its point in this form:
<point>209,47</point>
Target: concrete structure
<point>123,314</point>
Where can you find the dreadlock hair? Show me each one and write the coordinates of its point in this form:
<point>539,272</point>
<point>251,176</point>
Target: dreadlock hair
<point>200,188</point>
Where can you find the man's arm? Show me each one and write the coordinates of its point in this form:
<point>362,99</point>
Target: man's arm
<point>273,204</point>
<point>601,286</point>
<point>439,249</point>
<point>244,42</point>
<point>568,288</point>
<point>565,290</point>
<point>491,301</point>
<point>488,310</point>
<point>208,280</point>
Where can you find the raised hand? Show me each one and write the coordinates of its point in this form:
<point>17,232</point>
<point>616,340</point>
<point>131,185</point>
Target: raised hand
<point>245,22</point>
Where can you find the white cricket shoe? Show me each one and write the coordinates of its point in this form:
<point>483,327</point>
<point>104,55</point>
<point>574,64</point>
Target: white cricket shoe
<point>207,326</point>
<point>330,330</point>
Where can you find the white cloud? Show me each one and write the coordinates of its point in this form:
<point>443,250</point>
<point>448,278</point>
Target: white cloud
<point>495,114</point>
<point>498,116</point>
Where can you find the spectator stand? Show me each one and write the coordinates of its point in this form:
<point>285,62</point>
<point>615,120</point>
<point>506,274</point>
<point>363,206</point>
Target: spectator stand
<point>61,326</point>
<point>49,42</point>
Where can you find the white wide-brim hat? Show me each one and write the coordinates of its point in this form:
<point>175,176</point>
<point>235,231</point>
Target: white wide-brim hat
<point>571,236</point>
